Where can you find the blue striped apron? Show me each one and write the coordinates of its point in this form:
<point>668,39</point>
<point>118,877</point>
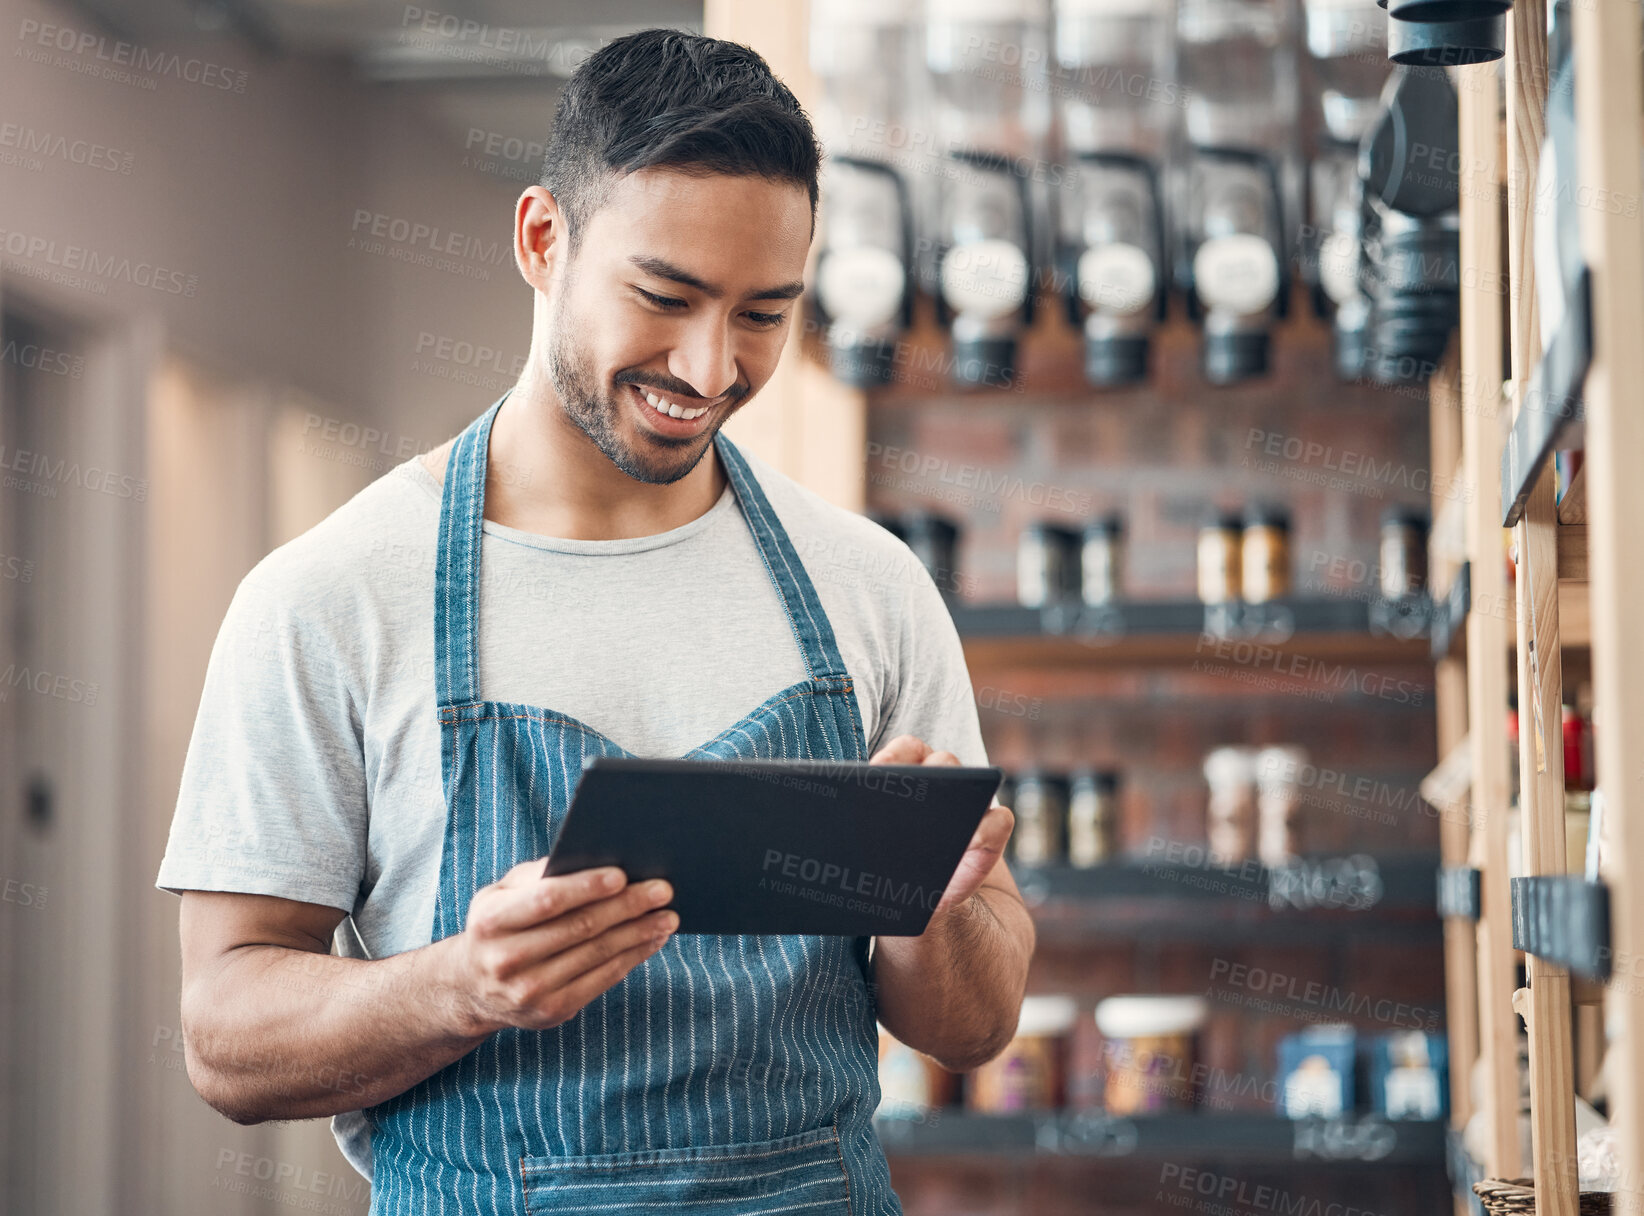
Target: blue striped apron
<point>724,1074</point>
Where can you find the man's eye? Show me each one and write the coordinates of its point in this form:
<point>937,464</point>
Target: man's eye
<point>661,301</point>
<point>767,318</point>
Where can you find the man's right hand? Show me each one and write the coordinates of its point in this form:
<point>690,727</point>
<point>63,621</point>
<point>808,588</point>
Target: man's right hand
<point>536,950</point>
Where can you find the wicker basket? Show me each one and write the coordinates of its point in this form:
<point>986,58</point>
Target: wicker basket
<point>1517,1197</point>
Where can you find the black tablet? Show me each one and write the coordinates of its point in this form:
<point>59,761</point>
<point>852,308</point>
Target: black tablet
<point>779,846</point>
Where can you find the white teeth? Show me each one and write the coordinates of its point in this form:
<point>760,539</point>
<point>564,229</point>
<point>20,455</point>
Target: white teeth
<point>671,409</point>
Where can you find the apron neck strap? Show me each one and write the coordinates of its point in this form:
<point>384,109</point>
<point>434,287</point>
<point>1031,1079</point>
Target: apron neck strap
<point>810,623</point>
<point>461,539</point>
<point>457,569</point>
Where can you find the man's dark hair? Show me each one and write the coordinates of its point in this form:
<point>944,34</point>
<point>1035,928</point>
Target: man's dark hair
<point>667,98</point>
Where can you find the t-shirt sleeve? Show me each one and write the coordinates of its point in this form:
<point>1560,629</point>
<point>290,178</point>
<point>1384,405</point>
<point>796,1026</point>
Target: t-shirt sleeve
<point>273,792</point>
<point>930,695</point>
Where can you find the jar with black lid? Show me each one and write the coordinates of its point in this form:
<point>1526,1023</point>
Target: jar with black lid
<point>1219,560</point>
<point>1265,555</point>
<point>1403,552</point>
<point>1101,559</point>
<point>1047,564</point>
<point>1040,836</point>
<point>1093,817</point>
<point>934,539</point>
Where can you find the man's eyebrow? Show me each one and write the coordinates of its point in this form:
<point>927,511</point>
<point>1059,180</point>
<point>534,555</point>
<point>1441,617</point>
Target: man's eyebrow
<point>664,269</point>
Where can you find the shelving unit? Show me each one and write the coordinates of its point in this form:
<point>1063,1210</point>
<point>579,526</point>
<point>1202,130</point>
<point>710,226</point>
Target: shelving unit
<point>1249,1140</point>
<point>1575,580</point>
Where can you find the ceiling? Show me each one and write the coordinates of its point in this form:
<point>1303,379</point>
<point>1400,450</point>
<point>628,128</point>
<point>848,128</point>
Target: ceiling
<point>491,65</point>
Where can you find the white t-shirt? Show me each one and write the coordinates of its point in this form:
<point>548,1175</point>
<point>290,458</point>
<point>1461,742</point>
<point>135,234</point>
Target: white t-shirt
<point>313,772</point>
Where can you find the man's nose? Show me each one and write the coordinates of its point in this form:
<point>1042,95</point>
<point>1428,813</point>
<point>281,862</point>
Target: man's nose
<point>706,358</point>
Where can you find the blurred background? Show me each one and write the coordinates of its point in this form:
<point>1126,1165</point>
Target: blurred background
<point>1124,314</point>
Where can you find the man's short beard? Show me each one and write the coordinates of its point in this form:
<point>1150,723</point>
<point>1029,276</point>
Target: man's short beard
<point>593,413</point>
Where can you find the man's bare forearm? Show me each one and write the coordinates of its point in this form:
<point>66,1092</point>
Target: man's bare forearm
<point>954,992</point>
<point>281,1033</point>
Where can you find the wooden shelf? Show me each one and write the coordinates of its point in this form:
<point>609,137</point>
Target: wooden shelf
<point>1174,632</point>
<point>1250,1138</point>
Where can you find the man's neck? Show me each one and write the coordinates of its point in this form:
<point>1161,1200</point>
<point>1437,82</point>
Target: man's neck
<point>544,475</point>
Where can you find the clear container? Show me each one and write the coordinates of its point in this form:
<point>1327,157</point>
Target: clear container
<point>990,109</point>
<point>866,56</point>
<point>1114,75</point>
<point>1264,550</point>
<point>987,62</point>
<point>1093,817</point>
<point>1048,558</point>
<point>1235,61</point>
<point>1348,42</point>
<point>1233,241</point>
<point>1101,560</point>
<point>1278,802</point>
<point>1230,814</point>
<point>1403,552</point>
<point>1040,835</point>
<point>1220,562</point>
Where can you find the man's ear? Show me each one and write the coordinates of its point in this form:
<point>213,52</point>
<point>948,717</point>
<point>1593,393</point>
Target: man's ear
<point>541,247</point>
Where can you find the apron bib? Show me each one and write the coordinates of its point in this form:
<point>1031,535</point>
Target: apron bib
<point>722,1075</point>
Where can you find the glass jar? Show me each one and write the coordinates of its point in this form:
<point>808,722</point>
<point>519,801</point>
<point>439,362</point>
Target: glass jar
<point>1040,836</point>
<point>1114,69</point>
<point>934,539</point>
<point>1093,817</point>
<point>1047,564</point>
<point>1101,559</point>
<point>1265,555</point>
<point>1219,560</point>
<point>1230,815</point>
<point>1278,799</point>
<point>1403,552</point>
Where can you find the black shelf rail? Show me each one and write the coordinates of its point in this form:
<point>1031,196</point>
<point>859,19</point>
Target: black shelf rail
<point>1564,919</point>
<point>1248,1138</point>
<point>1310,900</point>
<point>1271,621</point>
<point>1449,618</point>
<point>1459,892</point>
<point>1551,415</point>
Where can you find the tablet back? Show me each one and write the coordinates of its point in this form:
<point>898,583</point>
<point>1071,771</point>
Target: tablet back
<point>779,846</point>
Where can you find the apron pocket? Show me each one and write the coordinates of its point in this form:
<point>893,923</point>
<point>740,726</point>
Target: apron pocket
<point>801,1174</point>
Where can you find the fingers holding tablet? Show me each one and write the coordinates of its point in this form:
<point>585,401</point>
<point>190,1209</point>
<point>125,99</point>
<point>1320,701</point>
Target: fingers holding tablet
<point>535,950</point>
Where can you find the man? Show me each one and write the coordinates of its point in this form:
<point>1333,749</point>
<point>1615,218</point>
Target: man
<point>391,725</point>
